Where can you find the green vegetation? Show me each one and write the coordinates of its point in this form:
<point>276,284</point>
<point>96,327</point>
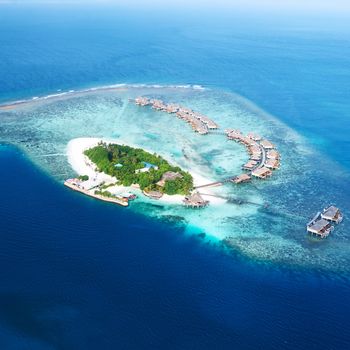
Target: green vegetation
<point>124,162</point>
<point>104,193</point>
<point>83,177</point>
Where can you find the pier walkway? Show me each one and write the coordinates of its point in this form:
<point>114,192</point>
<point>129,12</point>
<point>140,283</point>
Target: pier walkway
<point>235,200</point>
<point>263,158</point>
<point>217,183</point>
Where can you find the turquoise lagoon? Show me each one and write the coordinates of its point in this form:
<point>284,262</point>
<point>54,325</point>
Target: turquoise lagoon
<point>270,223</point>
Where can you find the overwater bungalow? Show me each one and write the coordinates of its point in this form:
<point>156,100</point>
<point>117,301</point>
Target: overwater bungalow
<point>332,213</point>
<point>158,105</point>
<point>267,144</point>
<point>262,173</point>
<point>253,136</point>
<point>208,122</point>
<point>321,228</point>
<point>241,179</point>
<point>272,154</point>
<point>254,149</point>
<point>250,165</point>
<point>272,163</point>
<point>185,110</point>
<point>256,157</point>
<point>233,134</point>
<point>181,115</point>
<point>245,141</point>
<point>211,125</point>
<point>171,108</point>
<point>142,101</point>
<point>195,200</point>
<point>198,126</point>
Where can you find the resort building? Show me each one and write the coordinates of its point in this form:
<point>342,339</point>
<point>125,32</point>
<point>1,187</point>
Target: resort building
<point>272,154</point>
<point>158,105</point>
<point>142,101</point>
<point>168,176</point>
<point>272,163</point>
<point>241,178</point>
<point>262,173</point>
<point>332,214</point>
<point>254,149</point>
<point>208,122</point>
<point>233,134</point>
<point>254,137</point>
<point>250,165</point>
<point>321,228</point>
<point>147,167</point>
<point>171,108</point>
<point>195,200</point>
<point>199,122</point>
<point>267,144</point>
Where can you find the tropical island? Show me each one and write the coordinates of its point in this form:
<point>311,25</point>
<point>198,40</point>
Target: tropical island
<point>136,166</point>
<point>113,165</point>
<point>118,173</point>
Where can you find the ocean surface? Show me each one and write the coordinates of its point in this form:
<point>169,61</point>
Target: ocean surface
<point>77,273</point>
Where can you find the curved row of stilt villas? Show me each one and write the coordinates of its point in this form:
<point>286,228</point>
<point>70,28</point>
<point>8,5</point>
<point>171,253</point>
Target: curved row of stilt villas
<point>264,158</point>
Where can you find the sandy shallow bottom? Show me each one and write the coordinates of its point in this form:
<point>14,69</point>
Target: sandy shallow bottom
<point>264,219</point>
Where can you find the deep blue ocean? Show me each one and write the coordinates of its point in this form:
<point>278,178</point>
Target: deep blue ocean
<point>80,274</point>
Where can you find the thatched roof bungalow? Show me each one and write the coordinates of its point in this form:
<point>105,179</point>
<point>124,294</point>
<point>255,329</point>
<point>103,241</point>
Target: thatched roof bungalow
<point>168,176</point>
<point>332,213</point>
<point>267,144</point>
<point>241,178</point>
<point>195,200</point>
<point>321,228</point>
<point>262,173</point>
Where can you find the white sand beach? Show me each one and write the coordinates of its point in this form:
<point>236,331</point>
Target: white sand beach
<point>83,166</point>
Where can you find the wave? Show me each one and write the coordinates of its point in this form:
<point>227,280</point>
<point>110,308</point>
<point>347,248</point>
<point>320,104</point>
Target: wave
<point>101,88</point>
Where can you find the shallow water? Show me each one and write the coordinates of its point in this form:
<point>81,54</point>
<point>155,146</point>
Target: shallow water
<point>79,273</point>
<point>271,227</point>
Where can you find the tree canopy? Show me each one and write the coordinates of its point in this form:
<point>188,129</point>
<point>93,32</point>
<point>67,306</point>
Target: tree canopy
<point>124,162</point>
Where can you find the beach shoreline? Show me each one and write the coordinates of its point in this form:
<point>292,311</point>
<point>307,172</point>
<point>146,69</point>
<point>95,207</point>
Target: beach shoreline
<point>83,166</point>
